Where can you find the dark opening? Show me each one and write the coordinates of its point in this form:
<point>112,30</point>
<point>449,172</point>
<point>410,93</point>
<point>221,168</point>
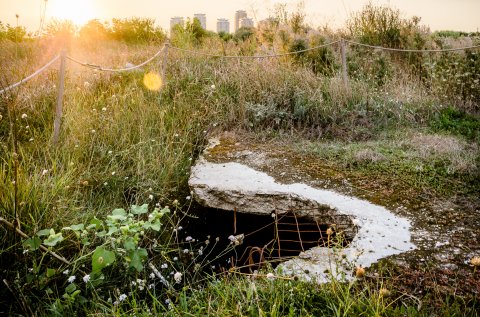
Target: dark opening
<point>266,238</point>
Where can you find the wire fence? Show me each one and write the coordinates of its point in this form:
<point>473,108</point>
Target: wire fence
<point>63,57</point>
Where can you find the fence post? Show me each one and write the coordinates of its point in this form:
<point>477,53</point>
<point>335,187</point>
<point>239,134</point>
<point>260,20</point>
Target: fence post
<point>344,63</point>
<point>61,88</point>
<point>164,62</point>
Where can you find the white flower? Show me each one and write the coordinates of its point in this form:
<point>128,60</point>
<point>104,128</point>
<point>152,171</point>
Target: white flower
<point>150,197</point>
<point>212,86</point>
<point>44,172</point>
<point>122,297</point>
<point>71,279</point>
<point>152,276</point>
<point>270,276</point>
<point>86,278</point>
<point>188,238</point>
<point>186,251</point>
<point>175,258</point>
<point>188,197</point>
<point>93,131</point>
<point>24,116</point>
<point>200,252</point>
<point>66,272</point>
<point>104,109</point>
<point>177,277</point>
<point>110,152</point>
<point>113,173</point>
<point>164,266</point>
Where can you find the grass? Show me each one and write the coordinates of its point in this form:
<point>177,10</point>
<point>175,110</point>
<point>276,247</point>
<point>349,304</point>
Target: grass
<point>123,144</point>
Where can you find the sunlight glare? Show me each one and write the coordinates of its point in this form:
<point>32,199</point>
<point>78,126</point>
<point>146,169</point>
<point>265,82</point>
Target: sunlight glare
<point>78,11</point>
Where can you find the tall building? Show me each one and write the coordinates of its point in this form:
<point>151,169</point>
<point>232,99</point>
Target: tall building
<point>246,23</point>
<point>202,18</point>
<point>223,25</point>
<point>240,14</point>
<point>176,20</point>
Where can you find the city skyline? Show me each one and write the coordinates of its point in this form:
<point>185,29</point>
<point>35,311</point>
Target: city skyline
<point>460,15</point>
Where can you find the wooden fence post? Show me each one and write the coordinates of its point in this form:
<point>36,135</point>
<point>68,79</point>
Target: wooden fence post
<point>344,64</point>
<point>61,89</point>
<point>164,62</point>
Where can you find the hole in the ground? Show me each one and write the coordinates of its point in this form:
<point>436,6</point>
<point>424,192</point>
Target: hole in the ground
<point>270,238</point>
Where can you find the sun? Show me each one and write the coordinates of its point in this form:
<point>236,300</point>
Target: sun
<point>78,11</point>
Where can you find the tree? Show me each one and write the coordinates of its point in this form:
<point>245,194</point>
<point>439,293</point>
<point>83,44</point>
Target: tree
<point>94,30</point>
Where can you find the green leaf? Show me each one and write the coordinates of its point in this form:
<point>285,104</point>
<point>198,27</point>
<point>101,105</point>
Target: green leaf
<point>102,258</point>
<point>136,258</point>
<point>155,225</point>
<point>44,232</point>
<point>118,214</point>
<point>32,244</point>
<point>112,230</point>
<point>51,272</point>
<point>78,227</point>
<point>138,210</point>
<point>53,238</point>
<point>95,223</point>
<point>70,288</point>
<point>129,244</point>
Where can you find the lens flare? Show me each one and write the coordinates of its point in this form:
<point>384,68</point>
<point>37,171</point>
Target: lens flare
<point>152,81</point>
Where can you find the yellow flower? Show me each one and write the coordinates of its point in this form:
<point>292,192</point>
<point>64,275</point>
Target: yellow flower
<point>152,81</point>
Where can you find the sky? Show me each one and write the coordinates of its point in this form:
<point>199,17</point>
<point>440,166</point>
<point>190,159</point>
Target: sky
<point>457,15</point>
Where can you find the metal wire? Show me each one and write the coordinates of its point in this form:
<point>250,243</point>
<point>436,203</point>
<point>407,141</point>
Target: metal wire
<point>98,67</point>
<point>413,50</point>
<point>36,73</point>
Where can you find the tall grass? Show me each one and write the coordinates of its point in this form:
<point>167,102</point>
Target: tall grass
<point>124,144</point>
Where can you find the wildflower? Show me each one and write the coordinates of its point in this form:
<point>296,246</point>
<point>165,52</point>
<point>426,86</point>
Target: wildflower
<point>152,276</point>
<point>110,152</point>
<point>475,261</point>
<point>105,184</point>
<point>31,140</point>
<point>122,297</point>
<point>359,272</point>
<point>164,266</point>
<point>273,215</point>
<point>71,279</point>
<point>189,238</point>
<point>212,86</point>
<point>93,131</point>
<point>188,197</point>
<point>86,278</point>
<point>270,276</point>
<point>175,202</point>
<point>150,197</point>
<point>175,258</point>
<point>167,301</point>
<point>113,173</point>
<point>329,231</point>
<point>104,109</point>
<point>44,172</point>
<point>25,251</point>
<point>177,277</point>
<point>66,272</point>
<point>24,116</point>
<point>186,251</point>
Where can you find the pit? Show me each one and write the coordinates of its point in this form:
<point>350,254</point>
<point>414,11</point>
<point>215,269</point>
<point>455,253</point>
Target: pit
<point>248,242</point>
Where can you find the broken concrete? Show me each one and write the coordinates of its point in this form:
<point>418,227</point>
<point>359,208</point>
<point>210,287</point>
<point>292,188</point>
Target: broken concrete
<point>233,185</point>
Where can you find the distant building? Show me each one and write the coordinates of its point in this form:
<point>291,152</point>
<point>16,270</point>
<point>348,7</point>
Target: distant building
<point>240,14</point>
<point>202,18</point>
<point>223,25</point>
<point>246,23</point>
<point>176,20</point>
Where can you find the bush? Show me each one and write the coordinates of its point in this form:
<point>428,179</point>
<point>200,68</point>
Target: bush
<point>136,30</point>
